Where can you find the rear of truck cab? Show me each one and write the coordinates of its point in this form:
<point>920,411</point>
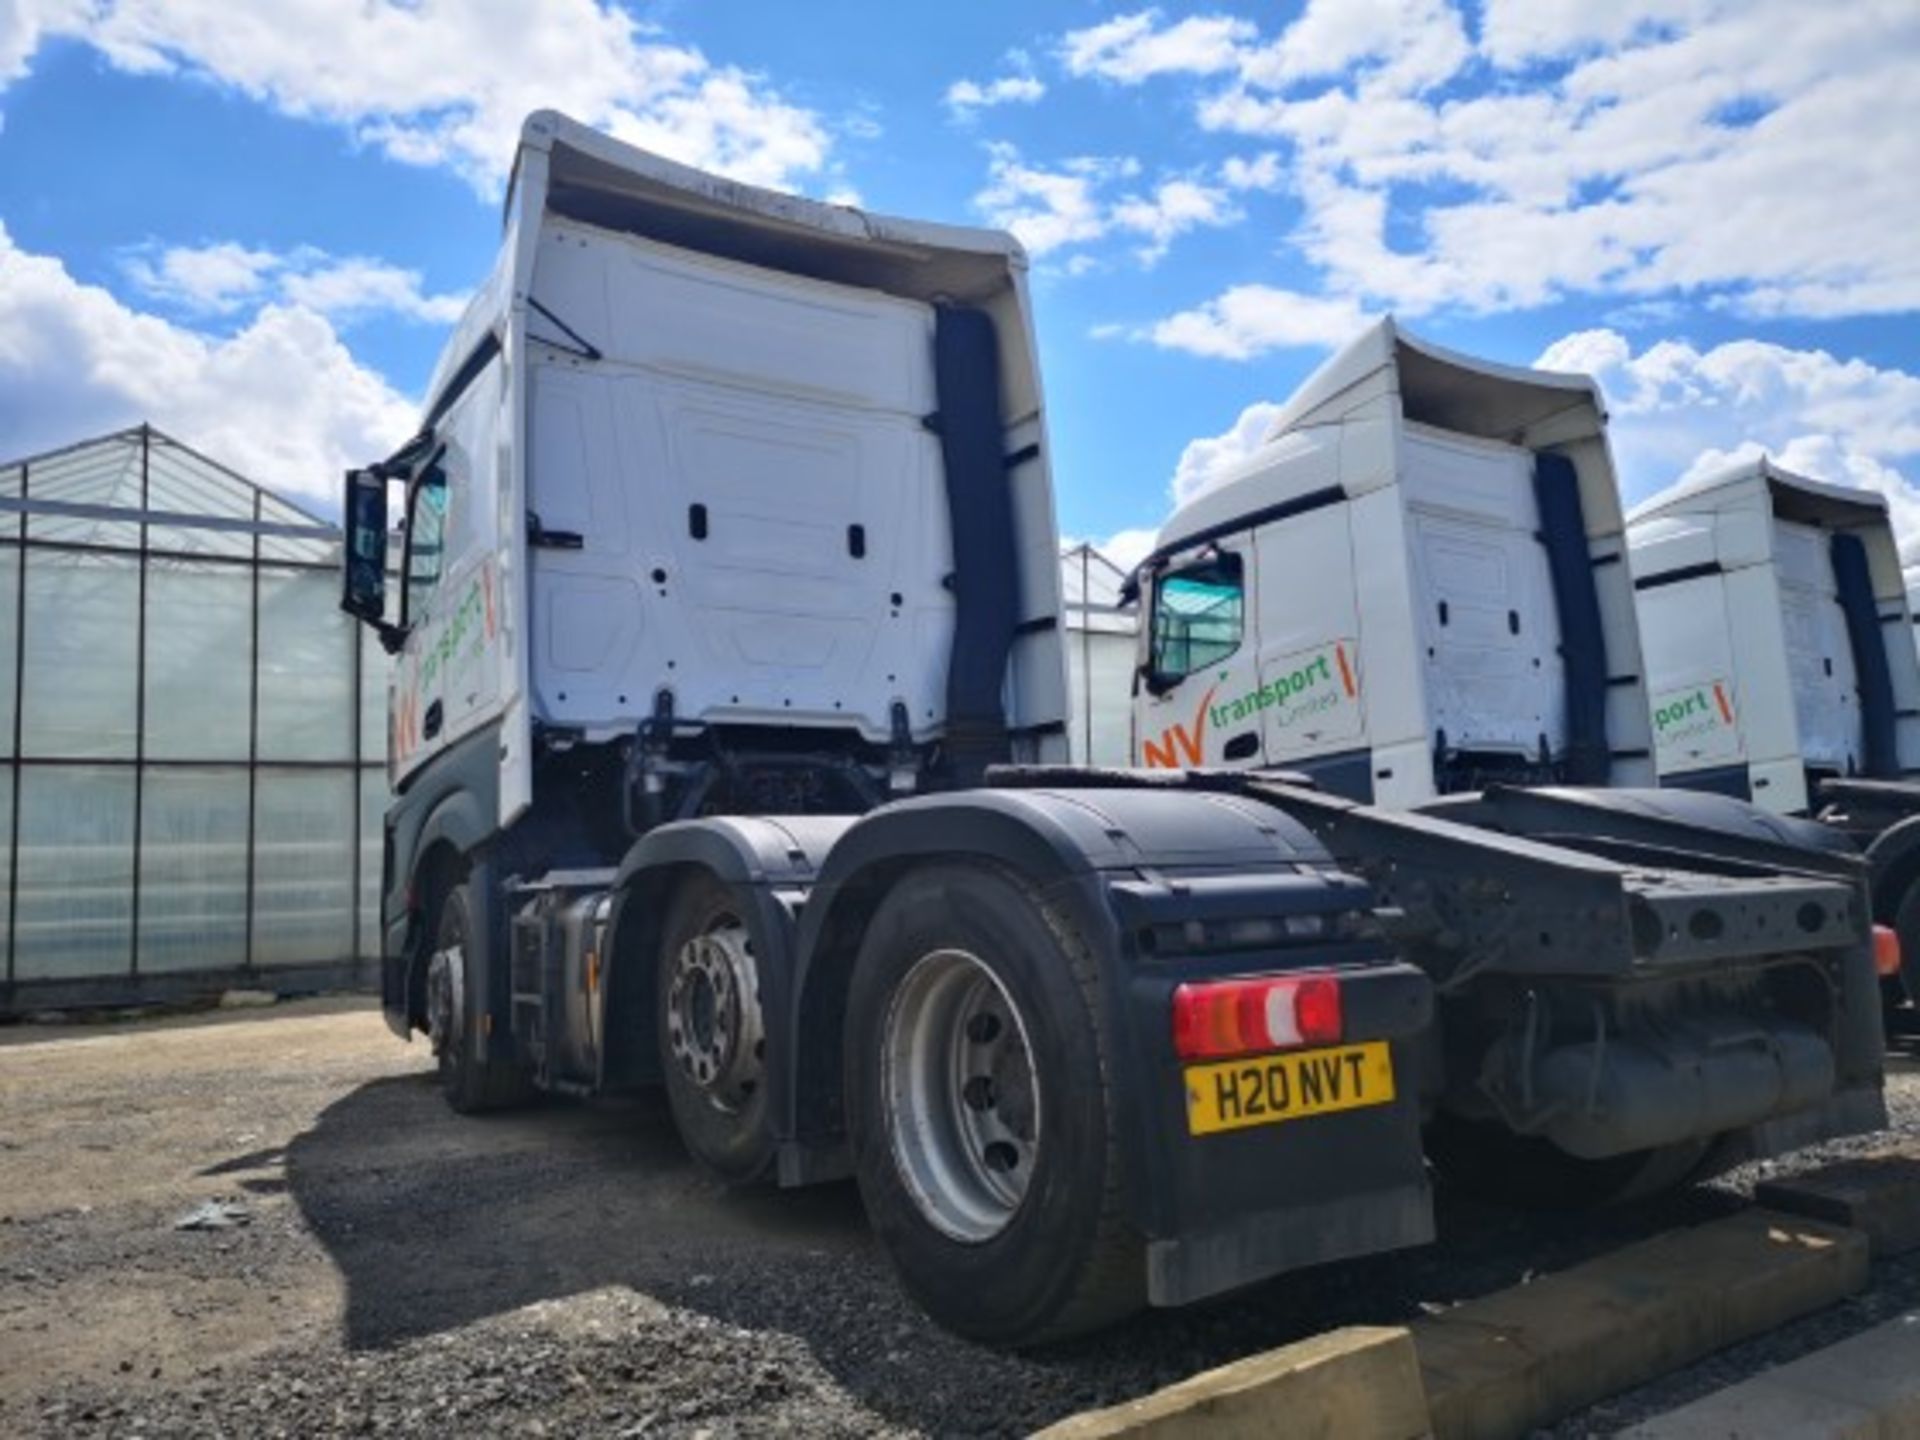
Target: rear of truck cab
<point>1413,587</point>
<point>1778,637</point>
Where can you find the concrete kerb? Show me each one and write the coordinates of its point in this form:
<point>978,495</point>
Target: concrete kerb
<point>1498,1366</point>
<point>1360,1383</point>
<point>1877,1194</point>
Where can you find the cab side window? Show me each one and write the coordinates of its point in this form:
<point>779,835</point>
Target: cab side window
<point>1199,614</point>
<point>426,541</point>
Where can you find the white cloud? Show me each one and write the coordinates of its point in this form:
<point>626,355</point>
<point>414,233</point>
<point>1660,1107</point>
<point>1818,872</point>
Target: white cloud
<point>282,401</point>
<point>964,97</point>
<point>1074,204</point>
<point>1264,171</point>
<point>1403,46</point>
<point>222,278</point>
<point>211,279</point>
<point>1250,320</point>
<point>447,82</point>
<point>1126,548</point>
<point>1395,46</point>
<point>24,22</point>
<point>1679,411</point>
<point>1204,461</point>
<point>1046,209</point>
<point>348,288</point>
<point>1132,48</point>
<point>1743,153</point>
<point>1172,209</point>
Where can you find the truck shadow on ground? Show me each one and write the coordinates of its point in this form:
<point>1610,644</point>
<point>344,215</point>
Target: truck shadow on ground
<point>435,1221</point>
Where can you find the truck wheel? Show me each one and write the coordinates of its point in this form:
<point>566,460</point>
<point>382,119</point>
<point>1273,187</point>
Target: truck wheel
<point>1906,925</point>
<point>980,1110</point>
<point>454,1017</point>
<point>1491,1163</point>
<point>713,1046</point>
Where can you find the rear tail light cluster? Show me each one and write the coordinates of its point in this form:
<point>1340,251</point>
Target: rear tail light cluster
<point>1214,1019</point>
<point>1886,951</point>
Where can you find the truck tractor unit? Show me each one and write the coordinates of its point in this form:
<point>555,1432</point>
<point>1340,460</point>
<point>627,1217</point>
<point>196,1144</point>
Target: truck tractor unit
<point>728,756</point>
<point>1407,622</point>
<point>1782,667</point>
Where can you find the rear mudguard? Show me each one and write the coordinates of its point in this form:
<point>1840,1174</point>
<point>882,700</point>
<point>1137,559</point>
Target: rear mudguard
<point>770,865</point>
<point>1148,880</point>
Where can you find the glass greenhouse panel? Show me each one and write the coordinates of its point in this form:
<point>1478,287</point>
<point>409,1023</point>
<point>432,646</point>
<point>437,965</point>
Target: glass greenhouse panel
<point>319,545</point>
<point>76,483</point>
<point>6,858</point>
<point>199,641</point>
<point>375,668</point>
<point>373,810</point>
<point>9,643</point>
<point>182,483</point>
<point>304,842</point>
<point>81,636</point>
<point>74,906</point>
<point>306,668</point>
<point>193,869</point>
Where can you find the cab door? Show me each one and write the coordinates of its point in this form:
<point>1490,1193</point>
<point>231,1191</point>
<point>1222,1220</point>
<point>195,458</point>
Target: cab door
<point>1308,626</point>
<point>1197,657</point>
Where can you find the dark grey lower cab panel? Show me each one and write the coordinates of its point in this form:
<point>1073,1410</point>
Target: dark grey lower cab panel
<point>1733,780</point>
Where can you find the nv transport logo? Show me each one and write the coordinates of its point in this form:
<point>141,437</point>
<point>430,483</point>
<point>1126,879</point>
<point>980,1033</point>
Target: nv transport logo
<point>1304,684</point>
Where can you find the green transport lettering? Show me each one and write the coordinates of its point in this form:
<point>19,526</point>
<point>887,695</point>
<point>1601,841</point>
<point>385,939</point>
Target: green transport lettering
<point>1314,678</point>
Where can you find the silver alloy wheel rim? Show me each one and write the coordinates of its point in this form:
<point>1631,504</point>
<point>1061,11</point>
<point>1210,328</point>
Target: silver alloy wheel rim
<point>962,1103</point>
<point>714,1030</point>
<point>446,976</point>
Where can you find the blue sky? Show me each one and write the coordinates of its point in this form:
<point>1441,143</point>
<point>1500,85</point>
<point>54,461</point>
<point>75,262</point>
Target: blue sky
<point>252,224</point>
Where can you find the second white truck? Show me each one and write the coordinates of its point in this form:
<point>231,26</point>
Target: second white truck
<point>1416,595</point>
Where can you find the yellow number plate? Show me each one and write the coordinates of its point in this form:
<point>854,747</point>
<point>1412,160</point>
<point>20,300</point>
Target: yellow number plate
<point>1265,1089</point>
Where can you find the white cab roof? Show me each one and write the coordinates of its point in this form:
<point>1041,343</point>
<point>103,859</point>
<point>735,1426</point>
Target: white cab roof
<point>595,179</point>
<point>1385,370</point>
<point>1760,481</point>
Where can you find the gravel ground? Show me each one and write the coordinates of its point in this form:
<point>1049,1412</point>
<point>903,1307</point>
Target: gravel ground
<point>567,1270</point>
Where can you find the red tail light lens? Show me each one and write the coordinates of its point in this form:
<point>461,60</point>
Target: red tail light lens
<point>1217,1018</point>
<point>1886,950</point>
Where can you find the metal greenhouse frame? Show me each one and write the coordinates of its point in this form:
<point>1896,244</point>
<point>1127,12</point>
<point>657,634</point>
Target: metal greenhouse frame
<point>193,772</point>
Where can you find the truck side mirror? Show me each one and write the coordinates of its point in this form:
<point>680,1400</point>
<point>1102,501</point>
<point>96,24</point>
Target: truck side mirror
<point>1155,681</point>
<point>363,564</point>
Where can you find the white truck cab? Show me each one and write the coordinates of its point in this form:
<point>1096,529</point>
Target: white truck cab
<point>1778,636</point>
<point>1415,586</point>
<point>680,480</point>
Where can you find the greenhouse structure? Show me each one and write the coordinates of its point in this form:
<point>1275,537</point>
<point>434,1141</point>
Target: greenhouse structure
<point>192,736</point>
<point>1102,637</point>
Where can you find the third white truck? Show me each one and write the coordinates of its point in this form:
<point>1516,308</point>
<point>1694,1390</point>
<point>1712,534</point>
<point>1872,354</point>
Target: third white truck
<point>1783,671</point>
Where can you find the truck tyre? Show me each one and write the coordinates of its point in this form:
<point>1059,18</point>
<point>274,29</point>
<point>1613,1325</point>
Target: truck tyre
<point>1906,985</point>
<point>454,1011</point>
<point>711,1032</point>
<point>980,1110</point>
<point>1492,1163</point>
